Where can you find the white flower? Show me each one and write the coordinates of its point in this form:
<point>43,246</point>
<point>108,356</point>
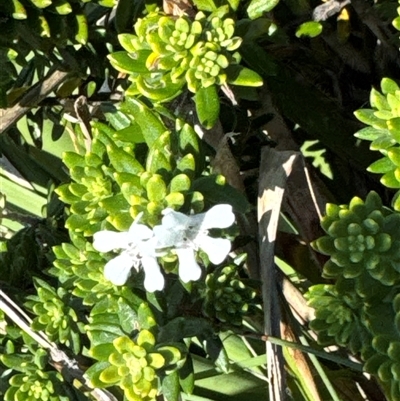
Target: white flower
<point>139,247</point>
<point>186,234</point>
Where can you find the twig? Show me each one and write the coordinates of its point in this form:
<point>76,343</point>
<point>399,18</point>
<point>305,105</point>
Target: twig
<point>31,99</point>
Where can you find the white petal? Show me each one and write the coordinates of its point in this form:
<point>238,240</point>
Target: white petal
<point>139,232</point>
<point>172,219</point>
<point>219,216</point>
<point>106,241</point>
<point>189,270</point>
<point>153,278</point>
<point>217,249</point>
<point>148,248</point>
<point>117,270</point>
<point>168,236</point>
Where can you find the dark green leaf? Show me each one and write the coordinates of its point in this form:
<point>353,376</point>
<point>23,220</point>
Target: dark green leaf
<point>207,106</point>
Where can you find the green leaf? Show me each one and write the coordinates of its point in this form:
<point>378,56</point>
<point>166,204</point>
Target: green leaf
<point>124,15</point>
<point>396,201</point>
<point>94,372</point>
<point>170,387</point>
<point>389,180</point>
<point>130,63</point>
<point>156,188</point>
<point>205,5</point>
<point>216,192</point>
<point>310,28</point>
<point>151,126</point>
<point>186,376</point>
<point>165,91</point>
<point>368,117</point>
<point>394,155</point>
<point>16,361</point>
<point>217,353</point>
<point>175,200</point>
<point>207,106</point>
<point>388,86</point>
<point>396,23</point>
<point>185,327</point>
<point>258,59</point>
<point>110,375</point>
<point>378,101</point>
<point>146,320</point>
<point>180,183</point>
<point>19,11</point>
<point>257,8</point>
<point>394,128</point>
<point>241,76</point>
<point>370,134</point>
<point>122,161</point>
<point>382,142</point>
<point>381,166</point>
<point>41,3</point>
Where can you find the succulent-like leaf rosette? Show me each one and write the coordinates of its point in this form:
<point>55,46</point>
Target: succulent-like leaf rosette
<point>361,237</point>
<point>167,53</point>
<point>136,366</point>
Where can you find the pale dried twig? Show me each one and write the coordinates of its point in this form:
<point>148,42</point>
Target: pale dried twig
<point>59,359</point>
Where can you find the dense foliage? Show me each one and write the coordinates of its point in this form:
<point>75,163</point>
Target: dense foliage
<point>135,137</point>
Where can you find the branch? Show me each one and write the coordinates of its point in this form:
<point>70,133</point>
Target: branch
<point>31,99</point>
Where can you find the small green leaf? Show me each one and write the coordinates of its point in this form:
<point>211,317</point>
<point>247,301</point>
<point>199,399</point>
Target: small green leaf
<point>180,183</point>
<point>185,327</point>
<point>394,128</point>
<point>19,11</point>
<point>394,155</point>
<point>156,188</point>
<point>175,200</point>
<point>205,5</point>
<point>396,23</point>
<point>186,376</point>
<point>94,372</point>
<point>159,93</point>
<point>207,106</point>
<point>257,8</point>
<point>310,28</point>
<point>216,193</point>
<point>381,166</point>
<point>170,387</point>
<point>110,375</point>
<point>41,3</point>
<point>378,101</point>
<point>149,123</point>
<point>241,76</point>
<point>389,86</point>
<point>370,134</point>
<point>368,117</point>
<point>389,180</point>
<point>130,63</point>
<point>122,161</point>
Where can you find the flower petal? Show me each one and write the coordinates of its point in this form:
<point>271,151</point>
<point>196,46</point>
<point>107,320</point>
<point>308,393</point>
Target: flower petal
<point>106,241</point>
<point>153,278</point>
<point>139,232</point>
<point>117,270</point>
<point>216,249</point>
<point>169,233</point>
<point>189,270</point>
<point>219,216</point>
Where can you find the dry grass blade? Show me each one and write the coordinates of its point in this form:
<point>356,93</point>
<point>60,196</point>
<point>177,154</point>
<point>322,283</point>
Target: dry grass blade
<point>274,171</point>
